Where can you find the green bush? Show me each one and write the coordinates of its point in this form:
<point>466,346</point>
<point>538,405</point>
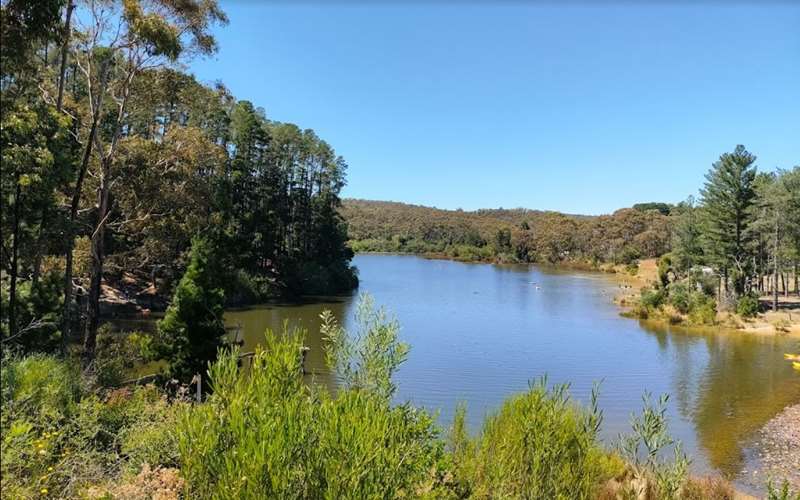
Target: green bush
<point>268,435</point>
<point>118,354</point>
<point>679,297</point>
<point>39,387</point>
<point>39,311</point>
<point>782,492</point>
<point>652,298</point>
<point>643,450</point>
<point>747,306</point>
<point>59,437</point>
<point>702,309</point>
<point>539,442</point>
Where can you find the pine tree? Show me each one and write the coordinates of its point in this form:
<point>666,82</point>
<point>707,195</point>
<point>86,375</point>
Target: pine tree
<point>192,329</point>
<point>726,198</point>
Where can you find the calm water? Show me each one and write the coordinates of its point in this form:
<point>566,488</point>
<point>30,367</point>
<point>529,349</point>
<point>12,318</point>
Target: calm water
<point>479,333</point>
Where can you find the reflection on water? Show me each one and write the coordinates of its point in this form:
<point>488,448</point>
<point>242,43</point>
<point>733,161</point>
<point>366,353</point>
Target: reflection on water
<point>251,324</point>
<point>480,332</point>
<point>741,386</point>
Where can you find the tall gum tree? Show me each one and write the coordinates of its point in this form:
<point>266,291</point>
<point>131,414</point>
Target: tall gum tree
<point>118,41</point>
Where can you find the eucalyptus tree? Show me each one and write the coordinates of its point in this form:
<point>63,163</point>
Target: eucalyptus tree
<point>116,43</point>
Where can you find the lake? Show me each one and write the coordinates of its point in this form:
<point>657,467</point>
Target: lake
<point>481,332</point>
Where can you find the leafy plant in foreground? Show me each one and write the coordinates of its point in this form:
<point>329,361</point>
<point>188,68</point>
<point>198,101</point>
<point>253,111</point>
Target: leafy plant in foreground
<point>643,450</point>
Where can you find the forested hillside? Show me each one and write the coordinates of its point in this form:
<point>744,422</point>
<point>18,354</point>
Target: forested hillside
<point>114,159</point>
<point>515,235</point>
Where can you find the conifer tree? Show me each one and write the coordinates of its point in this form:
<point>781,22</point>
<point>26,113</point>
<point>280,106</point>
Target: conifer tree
<point>727,197</point>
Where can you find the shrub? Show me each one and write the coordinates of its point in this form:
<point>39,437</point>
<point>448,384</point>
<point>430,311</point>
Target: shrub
<point>709,488</point>
<point>782,492</point>
<point>747,306</point>
<point>38,314</point>
<point>652,298</point>
<point>158,484</point>
<point>368,358</point>
<point>702,309</point>
<point>538,442</point>
<point>643,450</point>
<point>59,437</point>
<point>665,269</point>
<point>266,434</point>
<point>679,297</point>
<point>118,354</point>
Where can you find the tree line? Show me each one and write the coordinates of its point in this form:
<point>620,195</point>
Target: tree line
<point>114,159</point>
<point>510,235</point>
<point>744,228</point>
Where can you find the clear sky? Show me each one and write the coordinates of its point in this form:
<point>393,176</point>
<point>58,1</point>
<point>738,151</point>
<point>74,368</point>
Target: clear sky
<point>579,108</point>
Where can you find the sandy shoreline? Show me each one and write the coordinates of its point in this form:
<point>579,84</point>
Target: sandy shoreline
<point>777,448</point>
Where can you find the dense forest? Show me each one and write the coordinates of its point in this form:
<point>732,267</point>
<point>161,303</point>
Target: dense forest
<point>515,235</point>
<point>114,160</point>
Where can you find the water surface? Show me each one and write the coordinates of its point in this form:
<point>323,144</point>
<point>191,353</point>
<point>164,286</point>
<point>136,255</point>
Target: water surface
<point>480,333</point>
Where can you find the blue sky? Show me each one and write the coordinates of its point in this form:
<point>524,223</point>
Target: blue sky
<point>579,108</point>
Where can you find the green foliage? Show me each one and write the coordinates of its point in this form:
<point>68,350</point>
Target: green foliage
<point>59,436</point>
<point>663,208</point>
<point>680,296</point>
<point>702,309</point>
<point>119,353</point>
<point>538,443</point>
<point>192,330</point>
<point>782,492</point>
<point>643,450</point>
<point>652,298</point>
<point>268,435</point>
<point>365,359</point>
<point>39,387</point>
<point>38,313</point>
<point>747,306</point>
<point>664,269</point>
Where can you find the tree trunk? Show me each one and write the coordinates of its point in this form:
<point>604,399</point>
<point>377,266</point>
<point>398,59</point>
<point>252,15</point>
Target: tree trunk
<point>12,290</point>
<point>37,259</point>
<point>775,270</point>
<point>784,283</point>
<point>98,255</point>
<point>66,317</point>
<point>98,237</point>
<point>64,51</point>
